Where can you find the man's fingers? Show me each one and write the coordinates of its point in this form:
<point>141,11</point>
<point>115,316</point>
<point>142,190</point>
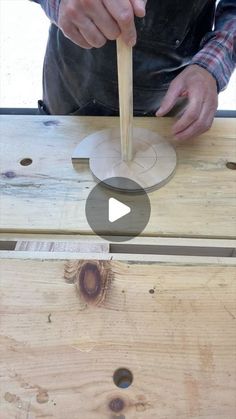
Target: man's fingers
<point>75,36</point>
<point>171,97</point>
<point>104,21</point>
<point>122,12</point>
<point>191,113</point>
<point>91,33</point>
<point>99,20</point>
<point>139,7</point>
<point>202,124</point>
<point>199,86</point>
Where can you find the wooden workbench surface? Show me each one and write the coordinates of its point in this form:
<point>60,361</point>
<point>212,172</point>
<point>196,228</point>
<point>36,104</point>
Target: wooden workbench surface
<point>49,195</point>
<point>171,325</point>
<point>75,309</point>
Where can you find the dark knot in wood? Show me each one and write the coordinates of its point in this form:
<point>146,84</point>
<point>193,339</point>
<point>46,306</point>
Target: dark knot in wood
<point>117,404</point>
<point>91,279</point>
<point>10,174</point>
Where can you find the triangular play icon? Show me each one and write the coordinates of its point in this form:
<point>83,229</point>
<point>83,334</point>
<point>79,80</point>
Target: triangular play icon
<point>117,210</point>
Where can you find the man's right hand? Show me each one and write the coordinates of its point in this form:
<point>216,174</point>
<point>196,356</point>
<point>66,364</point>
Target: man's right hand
<point>90,23</point>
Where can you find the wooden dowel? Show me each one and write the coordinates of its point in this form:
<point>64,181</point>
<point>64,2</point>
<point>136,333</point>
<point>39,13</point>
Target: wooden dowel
<point>125,80</point>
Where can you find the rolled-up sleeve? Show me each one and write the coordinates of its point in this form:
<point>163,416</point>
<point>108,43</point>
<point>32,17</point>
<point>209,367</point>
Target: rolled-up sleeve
<point>218,48</point>
<point>51,8</point>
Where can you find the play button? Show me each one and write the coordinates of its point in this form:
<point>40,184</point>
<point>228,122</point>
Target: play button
<point>117,210</point>
<point>115,214</point>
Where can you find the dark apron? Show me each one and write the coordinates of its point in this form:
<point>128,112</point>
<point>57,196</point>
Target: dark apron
<point>77,81</point>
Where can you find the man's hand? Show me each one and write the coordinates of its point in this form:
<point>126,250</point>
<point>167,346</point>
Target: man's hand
<point>90,23</point>
<point>199,86</point>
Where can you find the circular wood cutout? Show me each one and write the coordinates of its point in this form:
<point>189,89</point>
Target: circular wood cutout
<point>153,163</point>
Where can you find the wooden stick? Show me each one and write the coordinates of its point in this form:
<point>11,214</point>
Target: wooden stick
<point>125,80</point>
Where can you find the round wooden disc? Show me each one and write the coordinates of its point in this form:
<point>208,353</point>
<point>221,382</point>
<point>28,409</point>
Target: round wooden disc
<point>154,159</point>
<point>153,164</point>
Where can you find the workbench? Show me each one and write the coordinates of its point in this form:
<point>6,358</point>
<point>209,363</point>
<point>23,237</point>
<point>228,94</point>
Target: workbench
<point>75,308</point>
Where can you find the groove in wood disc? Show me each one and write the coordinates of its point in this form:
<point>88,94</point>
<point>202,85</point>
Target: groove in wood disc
<point>153,164</point>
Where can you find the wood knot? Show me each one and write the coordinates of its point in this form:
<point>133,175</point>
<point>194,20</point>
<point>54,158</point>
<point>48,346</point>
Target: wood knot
<point>117,405</point>
<point>10,174</point>
<point>91,279</point>
<point>42,396</point>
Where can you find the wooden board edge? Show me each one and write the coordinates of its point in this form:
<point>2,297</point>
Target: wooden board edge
<point>141,240</point>
<point>136,258</point>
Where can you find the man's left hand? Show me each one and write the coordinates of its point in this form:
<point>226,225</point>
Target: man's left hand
<point>199,86</point>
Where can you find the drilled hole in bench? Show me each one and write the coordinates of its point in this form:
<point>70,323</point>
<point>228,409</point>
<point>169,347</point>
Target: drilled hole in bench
<point>231,165</point>
<point>123,378</point>
<point>26,162</point>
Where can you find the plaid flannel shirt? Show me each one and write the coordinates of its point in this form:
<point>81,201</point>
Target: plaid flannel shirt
<point>218,48</point>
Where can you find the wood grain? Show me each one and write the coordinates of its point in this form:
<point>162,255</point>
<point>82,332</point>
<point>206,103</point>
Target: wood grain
<point>49,195</point>
<point>125,81</point>
<point>172,326</point>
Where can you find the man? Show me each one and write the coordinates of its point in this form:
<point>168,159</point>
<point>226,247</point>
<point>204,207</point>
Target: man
<point>179,62</point>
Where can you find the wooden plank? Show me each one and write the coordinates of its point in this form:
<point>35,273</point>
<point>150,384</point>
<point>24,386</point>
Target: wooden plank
<point>173,327</point>
<point>49,195</point>
<point>176,248</point>
<point>138,245</point>
<point>140,240</point>
<point>150,258</point>
<point>125,80</point>
<point>123,249</point>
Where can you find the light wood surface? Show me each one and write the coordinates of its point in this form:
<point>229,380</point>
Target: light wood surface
<point>74,308</point>
<point>152,166</point>
<point>172,326</point>
<point>132,257</point>
<point>49,195</point>
<point>125,81</point>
